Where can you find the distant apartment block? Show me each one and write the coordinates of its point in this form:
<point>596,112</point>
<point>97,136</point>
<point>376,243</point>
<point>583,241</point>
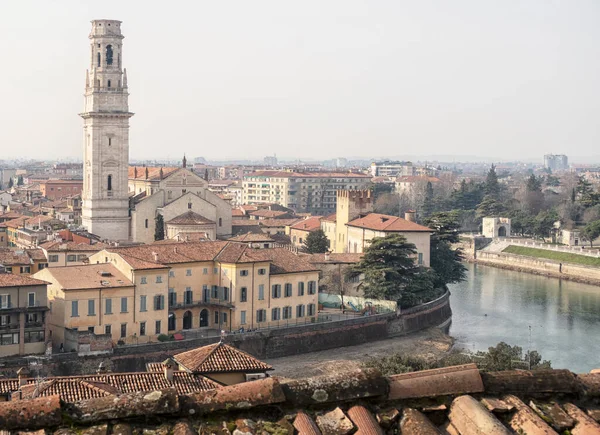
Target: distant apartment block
<point>56,189</point>
<point>556,162</point>
<point>392,169</point>
<point>307,192</point>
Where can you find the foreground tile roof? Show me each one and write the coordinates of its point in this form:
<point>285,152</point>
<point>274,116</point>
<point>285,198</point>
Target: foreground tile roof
<point>219,358</point>
<point>453,400</point>
<point>310,224</point>
<point>88,276</point>
<point>383,222</point>
<point>10,280</point>
<point>189,218</point>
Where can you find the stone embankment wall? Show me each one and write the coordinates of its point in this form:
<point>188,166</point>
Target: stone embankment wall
<point>262,344</point>
<point>552,268</point>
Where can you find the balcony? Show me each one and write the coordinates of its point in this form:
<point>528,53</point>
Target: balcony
<point>201,303</point>
<point>9,326</point>
<point>35,306</point>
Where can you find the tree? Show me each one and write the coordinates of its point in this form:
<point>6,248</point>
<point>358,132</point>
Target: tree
<point>20,180</point>
<point>591,232</point>
<point>316,242</point>
<point>445,261</point>
<point>388,266</point>
<point>492,187</point>
<point>543,223</point>
<point>11,183</point>
<point>159,230</point>
<point>534,198</point>
<point>428,204</point>
<point>490,207</point>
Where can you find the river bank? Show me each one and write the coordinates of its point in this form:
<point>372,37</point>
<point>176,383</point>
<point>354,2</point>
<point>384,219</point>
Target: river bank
<point>537,266</point>
<point>431,344</point>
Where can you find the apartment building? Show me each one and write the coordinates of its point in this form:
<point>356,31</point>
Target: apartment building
<point>392,169</point>
<point>222,285</point>
<point>66,253</point>
<point>101,299</point>
<point>56,189</point>
<point>23,308</point>
<point>311,192</point>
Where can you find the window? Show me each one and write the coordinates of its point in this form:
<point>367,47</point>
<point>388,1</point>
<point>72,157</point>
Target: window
<point>159,302</point>
<point>312,287</point>
<point>205,271</point>
<point>288,290</point>
<point>8,269</point>
<point>224,317</point>
<point>108,86</point>
<point>300,311</point>
<point>243,272</point>
<point>81,257</point>
<point>171,273</point>
<point>99,58</point>
<point>108,329</point>
<point>31,299</point>
<point>188,272</point>
<point>110,138</point>
<point>214,292</point>
<point>143,280</point>
<point>276,291</point>
<point>109,183</point>
<point>188,296</point>
<point>189,205</point>
<point>262,271</point>
<point>287,312</point>
<point>216,317</point>
<point>275,314</point>
<point>172,297</point>
<point>143,303</point>
<point>8,339</point>
<point>34,336</point>
<point>220,222</point>
<point>109,54</point>
<point>225,293</point>
<point>158,279</point>
<point>261,316</point>
<point>420,258</point>
<point>300,289</point>
<point>74,308</point>
<point>215,270</point>
<point>108,306</point>
<point>25,269</point>
<point>91,307</point>
<point>242,317</point>
<point>261,292</point>
<point>142,329</point>
<point>5,301</point>
<point>311,309</point>
<point>243,294</point>
<point>123,305</point>
<point>146,223</point>
<point>71,257</point>
<point>157,327</point>
<point>123,330</point>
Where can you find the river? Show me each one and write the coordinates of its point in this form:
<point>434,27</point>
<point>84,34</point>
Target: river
<point>495,305</point>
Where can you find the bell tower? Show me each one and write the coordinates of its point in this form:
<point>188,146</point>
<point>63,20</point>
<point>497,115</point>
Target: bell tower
<point>105,210</point>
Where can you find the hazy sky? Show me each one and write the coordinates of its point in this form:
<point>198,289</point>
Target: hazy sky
<point>312,79</point>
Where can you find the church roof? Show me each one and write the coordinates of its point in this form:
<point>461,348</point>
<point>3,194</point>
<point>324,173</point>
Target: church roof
<point>190,218</point>
<point>139,172</point>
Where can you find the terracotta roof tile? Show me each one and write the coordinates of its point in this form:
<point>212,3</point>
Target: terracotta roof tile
<point>252,237</point>
<point>310,224</point>
<point>266,213</point>
<point>220,358</point>
<point>382,222</point>
<point>153,172</point>
<point>190,218</point>
<point>89,276</point>
<point>10,280</point>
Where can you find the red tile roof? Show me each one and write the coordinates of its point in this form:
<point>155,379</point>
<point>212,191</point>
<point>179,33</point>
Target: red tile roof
<point>310,224</point>
<point>153,172</point>
<point>219,358</point>
<point>252,237</point>
<point>89,276</point>
<point>10,280</point>
<point>289,174</point>
<point>386,223</point>
<point>266,213</point>
<point>190,218</point>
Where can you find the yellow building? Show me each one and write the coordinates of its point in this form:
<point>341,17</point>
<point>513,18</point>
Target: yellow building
<point>223,285</point>
<point>101,299</point>
<point>23,308</point>
<point>22,261</point>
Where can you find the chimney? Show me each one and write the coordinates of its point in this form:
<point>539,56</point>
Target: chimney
<point>155,254</point>
<point>169,369</point>
<point>327,256</point>
<point>23,374</point>
<point>175,249</point>
<point>410,216</point>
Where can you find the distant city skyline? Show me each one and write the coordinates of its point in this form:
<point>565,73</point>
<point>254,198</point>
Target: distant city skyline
<point>239,80</point>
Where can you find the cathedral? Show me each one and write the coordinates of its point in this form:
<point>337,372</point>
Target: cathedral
<point>122,203</point>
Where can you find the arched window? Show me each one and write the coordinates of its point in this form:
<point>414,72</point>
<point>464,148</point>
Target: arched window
<point>108,84</point>
<point>109,183</point>
<point>189,205</point>
<point>109,55</point>
<point>99,59</point>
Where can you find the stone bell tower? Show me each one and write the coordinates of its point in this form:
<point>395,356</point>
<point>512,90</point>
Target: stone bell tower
<point>105,210</point>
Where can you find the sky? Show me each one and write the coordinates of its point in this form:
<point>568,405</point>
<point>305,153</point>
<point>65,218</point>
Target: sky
<point>312,79</point>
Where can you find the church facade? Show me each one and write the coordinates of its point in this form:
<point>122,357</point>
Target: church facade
<point>122,203</point>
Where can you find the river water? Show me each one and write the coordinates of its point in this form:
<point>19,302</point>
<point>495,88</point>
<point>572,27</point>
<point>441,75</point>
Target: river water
<point>495,305</point>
